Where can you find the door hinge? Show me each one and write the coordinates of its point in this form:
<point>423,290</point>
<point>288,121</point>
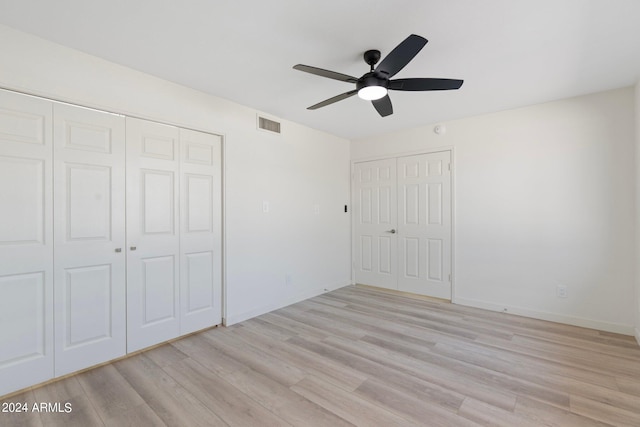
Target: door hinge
<point>449,166</point>
<point>449,277</point>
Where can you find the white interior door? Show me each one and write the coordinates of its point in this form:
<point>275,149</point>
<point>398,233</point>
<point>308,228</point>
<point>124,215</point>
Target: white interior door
<point>200,234</point>
<point>153,242</point>
<point>424,229</point>
<point>90,315</point>
<point>26,242</point>
<point>402,210</point>
<point>375,210</point>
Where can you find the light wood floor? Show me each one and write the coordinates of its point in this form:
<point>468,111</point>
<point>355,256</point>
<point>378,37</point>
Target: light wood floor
<point>358,356</point>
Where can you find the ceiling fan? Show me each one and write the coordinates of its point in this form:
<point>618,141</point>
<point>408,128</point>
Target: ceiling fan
<point>373,86</point>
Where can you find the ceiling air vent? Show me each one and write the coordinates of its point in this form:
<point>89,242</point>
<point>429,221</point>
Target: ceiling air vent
<point>268,125</point>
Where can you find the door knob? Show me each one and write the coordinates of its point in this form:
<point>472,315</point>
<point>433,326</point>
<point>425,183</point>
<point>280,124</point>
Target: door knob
<point>133,248</point>
<point>118,249</point>
<point>392,231</point>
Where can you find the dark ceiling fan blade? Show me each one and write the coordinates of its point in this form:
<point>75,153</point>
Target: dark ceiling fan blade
<point>383,106</point>
<point>325,73</point>
<point>401,55</point>
<point>332,100</point>
<point>425,84</point>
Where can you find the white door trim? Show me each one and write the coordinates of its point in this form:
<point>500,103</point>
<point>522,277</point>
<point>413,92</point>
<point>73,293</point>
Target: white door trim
<point>449,148</point>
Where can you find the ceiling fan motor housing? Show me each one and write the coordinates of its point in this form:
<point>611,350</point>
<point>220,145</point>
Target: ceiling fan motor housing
<point>372,79</point>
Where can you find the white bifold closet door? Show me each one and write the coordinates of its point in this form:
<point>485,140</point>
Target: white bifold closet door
<point>153,239</point>
<point>173,232</point>
<point>402,210</point>
<point>424,224</point>
<point>201,231</point>
<point>375,211</point>
<point>26,242</point>
<point>89,212</point>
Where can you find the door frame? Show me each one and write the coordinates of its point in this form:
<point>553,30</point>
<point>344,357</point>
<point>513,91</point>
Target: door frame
<point>451,150</point>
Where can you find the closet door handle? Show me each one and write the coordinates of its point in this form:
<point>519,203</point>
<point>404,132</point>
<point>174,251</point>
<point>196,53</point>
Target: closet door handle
<point>118,250</point>
<point>133,248</point>
<point>392,231</point>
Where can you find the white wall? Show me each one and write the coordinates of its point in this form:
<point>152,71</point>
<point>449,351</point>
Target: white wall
<point>544,195</point>
<point>293,172</point>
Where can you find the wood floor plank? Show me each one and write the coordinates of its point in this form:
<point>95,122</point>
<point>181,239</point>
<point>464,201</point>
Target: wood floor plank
<point>273,332</point>
<point>209,355</point>
<point>165,355</point>
<point>141,415</point>
<point>59,390</point>
<point>311,363</point>
<point>392,377</point>
<point>109,392</point>
<point>601,362</point>
<point>502,356</point>
<point>421,317</point>
<point>543,414</point>
<point>628,385</point>
<point>349,406</point>
<point>171,402</point>
<point>259,361</point>
<point>298,328</point>
<point>603,412</point>
<point>418,408</point>
<point>329,325</point>
<point>489,415</point>
<point>230,404</point>
<point>514,384</point>
<point>67,391</point>
<point>551,379</point>
<point>282,401</point>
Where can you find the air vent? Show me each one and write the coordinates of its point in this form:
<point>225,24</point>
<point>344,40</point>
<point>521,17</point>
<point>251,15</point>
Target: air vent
<point>268,125</point>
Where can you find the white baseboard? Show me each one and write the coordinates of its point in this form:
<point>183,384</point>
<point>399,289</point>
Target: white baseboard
<point>241,317</point>
<point>553,317</point>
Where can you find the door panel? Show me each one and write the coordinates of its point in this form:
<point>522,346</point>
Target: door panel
<point>89,230</point>
<point>158,202</point>
<point>26,242</point>
<point>87,296</point>
<point>24,203</point>
<point>200,234</point>
<point>424,232</point>
<point>158,290</point>
<point>153,245</point>
<point>375,213</point>
<point>89,202</point>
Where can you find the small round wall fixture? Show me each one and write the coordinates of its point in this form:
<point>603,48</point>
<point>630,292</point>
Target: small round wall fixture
<point>439,129</point>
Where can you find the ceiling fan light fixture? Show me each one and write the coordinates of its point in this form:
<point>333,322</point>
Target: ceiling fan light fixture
<point>373,86</point>
<point>371,93</point>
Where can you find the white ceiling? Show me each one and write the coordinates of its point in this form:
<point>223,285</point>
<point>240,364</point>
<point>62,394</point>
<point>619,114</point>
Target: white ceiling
<point>510,53</point>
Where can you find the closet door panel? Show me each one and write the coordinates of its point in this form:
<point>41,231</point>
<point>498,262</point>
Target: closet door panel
<point>200,234</point>
<point>424,215</point>
<point>152,233</point>
<point>90,314</point>
<point>26,242</point>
